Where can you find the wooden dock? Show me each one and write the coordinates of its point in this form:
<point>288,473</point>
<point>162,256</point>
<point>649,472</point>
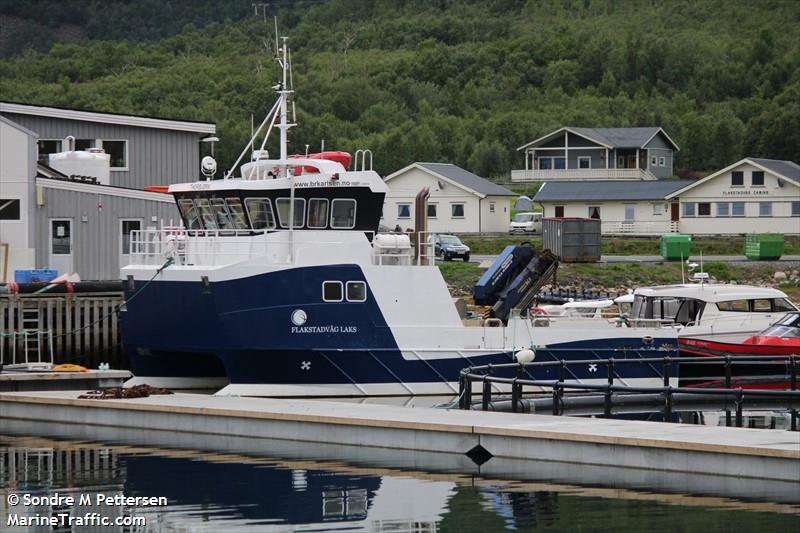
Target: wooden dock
<point>80,328</point>
<point>482,438</point>
<point>46,381</point>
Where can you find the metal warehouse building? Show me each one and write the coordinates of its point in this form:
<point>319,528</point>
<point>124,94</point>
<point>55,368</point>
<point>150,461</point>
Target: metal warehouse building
<point>52,219</point>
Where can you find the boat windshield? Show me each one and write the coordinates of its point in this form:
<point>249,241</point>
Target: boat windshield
<point>213,213</point>
<point>523,217</point>
<point>667,308</point>
<point>787,327</point>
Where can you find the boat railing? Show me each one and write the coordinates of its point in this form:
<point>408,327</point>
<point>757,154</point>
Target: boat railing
<point>489,376</point>
<point>198,247</point>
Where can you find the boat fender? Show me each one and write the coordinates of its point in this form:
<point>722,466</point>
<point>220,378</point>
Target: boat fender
<point>525,356</point>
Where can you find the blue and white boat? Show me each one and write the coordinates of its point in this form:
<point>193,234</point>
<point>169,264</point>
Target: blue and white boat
<point>279,284</point>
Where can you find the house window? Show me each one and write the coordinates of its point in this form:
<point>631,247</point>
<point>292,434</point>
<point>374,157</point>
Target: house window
<point>356,291</point>
<point>84,144</point>
<point>343,213</point>
<point>584,162</point>
<point>403,210</point>
<point>282,205</point>
<point>689,209</point>
<point>659,209</point>
<point>317,213</point>
<point>9,209</point>
<point>704,209</point>
<point>457,210</point>
<point>127,227</point>
<point>118,152</point>
<point>653,160</point>
<point>662,161</point>
<point>758,178</point>
<point>630,212</point>
<point>332,291</point>
<point>559,163</point>
<point>491,207</point>
<point>737,209</point>
<point>765,209</point>
<point>723,209</point>
<point>48,146</point>
<point>737,178</point>
<point>260,212</point>
<point>796,209</point>
<point>559,211</point>
<point>594,211</point>
<point>545,163</point>
<point>432,210</point>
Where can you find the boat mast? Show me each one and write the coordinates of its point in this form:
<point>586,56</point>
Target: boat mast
<point>283,126</point>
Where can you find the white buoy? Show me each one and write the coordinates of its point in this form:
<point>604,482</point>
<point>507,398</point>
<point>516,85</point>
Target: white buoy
<point>525,356</point>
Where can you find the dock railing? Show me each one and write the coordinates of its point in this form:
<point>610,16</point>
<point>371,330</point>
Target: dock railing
<point>668,393</point>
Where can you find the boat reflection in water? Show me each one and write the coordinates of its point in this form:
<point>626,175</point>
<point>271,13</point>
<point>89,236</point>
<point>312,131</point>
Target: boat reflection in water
<point>242,493</point>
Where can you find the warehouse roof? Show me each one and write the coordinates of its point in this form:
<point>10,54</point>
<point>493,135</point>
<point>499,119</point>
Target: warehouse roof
<point>608,190</point>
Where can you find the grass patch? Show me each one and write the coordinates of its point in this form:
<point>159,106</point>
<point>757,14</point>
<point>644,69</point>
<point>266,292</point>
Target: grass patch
<point>495,245</point>
<point>460,277</point>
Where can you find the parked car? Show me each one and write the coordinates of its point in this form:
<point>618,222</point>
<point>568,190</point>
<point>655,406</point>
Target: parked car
<point>526,223</point>
<point>447,247</point>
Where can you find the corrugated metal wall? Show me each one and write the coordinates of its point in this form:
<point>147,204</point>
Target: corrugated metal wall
<point>96,242</point>
<point>155,156</point>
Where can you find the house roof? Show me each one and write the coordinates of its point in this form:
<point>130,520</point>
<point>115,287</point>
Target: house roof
<point>610,137</point>
<point>607,190</point>
<point>788,170</point>
<point>108,118</point>
<point>460,177</point>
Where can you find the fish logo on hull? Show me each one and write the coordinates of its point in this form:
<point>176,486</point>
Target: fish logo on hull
<point>299,317</point>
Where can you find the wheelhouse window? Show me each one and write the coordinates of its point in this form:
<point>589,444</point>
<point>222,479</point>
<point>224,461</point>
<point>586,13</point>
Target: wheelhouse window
<point>191,216</point>
<point>343,213</point>
<point>237,214</point>
<point>758,178</point>
<point>9,209</point>
<point>456,210</point>
<point>118,153</point>
<point>317,213</point>
<point>207,218</point>
<point>332,291</point>
<point>260,212</point>
<point>739,306</point>
<point>282,205</point>
<point>737,178</point>
<point>403,210</point>
<point>356,291</point>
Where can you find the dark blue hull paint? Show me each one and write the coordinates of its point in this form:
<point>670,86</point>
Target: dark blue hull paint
<point>181,329</point>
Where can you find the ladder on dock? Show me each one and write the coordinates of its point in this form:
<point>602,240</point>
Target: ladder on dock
<point>35,344</point>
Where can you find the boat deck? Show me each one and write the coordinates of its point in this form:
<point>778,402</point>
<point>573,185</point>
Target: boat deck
<point>482,436</point>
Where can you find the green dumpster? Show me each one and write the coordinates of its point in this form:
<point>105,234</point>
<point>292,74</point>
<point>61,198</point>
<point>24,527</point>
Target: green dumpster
<point>675,247</point>
<point>764,246</point>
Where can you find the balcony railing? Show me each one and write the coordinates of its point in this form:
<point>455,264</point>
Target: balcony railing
<point>581,174</point>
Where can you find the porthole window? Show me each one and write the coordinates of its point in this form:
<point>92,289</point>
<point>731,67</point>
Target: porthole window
<point>356,291</point>
<point>332,291</point>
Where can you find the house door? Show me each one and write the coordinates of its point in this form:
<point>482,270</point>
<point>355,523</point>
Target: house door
<point>675,212</point>
<point>632,161</point>
<point>126,226</point>
<point>60,250</point>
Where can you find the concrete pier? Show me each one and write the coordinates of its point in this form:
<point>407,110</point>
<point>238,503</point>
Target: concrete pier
<point>489,438</point>
<point>11,381</point>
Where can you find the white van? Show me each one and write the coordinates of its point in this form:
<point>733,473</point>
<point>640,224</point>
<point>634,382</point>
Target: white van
<point>526,223</point>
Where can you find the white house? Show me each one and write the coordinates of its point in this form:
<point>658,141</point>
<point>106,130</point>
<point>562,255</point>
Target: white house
<point>623,206</point>
<point>459,202</point>
<point>750,196</point>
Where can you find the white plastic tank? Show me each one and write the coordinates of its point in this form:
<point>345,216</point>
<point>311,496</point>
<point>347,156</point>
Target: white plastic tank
<point>93,163</point>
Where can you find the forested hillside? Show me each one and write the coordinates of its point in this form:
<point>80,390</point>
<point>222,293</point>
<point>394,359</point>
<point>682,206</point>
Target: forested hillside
<point>462,81</point>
